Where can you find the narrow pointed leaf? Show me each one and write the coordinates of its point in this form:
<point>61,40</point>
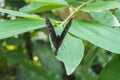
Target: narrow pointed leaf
<point>37,7</point>
<point>52,2</point>
<point>13,27</point>
<point>20,14</point>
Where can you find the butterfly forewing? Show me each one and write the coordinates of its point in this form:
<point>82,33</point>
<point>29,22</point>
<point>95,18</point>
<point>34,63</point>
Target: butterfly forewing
<point>66,29</point>
<point>51,32</point>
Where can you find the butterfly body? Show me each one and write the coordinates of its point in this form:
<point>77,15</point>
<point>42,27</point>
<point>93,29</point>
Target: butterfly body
<point>57,39</point>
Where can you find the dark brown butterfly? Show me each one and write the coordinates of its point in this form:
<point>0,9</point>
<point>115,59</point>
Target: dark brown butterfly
<point>57,39</point>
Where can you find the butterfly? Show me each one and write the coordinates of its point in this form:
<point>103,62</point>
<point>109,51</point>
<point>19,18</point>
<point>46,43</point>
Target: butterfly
<point>57,39</point>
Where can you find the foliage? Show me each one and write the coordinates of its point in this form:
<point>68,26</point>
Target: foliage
<point>89,51</point>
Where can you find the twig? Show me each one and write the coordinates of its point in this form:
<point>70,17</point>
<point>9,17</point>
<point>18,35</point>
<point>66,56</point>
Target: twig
<point>77,9</point>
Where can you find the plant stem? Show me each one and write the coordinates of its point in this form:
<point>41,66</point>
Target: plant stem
<point>77,9</point>
<point>28,45</point>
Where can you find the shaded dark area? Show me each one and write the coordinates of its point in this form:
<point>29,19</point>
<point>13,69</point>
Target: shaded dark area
<point>28,45</point>
<point>97,68</point>
<point>15,3</point>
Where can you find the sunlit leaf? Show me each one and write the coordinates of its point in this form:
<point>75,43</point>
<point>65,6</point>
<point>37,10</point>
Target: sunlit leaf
<point>37,7</point>
<point>20,14</point>
<point>71,53</point>
<point>13,27</point>
<point>52,2</point>
<point>101,5</point>
<point>98,34</point>
<point>117,14</point>
<point>105,17</point>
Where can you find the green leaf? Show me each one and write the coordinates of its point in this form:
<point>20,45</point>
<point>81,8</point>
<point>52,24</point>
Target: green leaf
<point>37,7</point>
<point>111,70</point>
<point>98,34</point>
<point>84,75</point>
<point>29,71</point>
<point>89,57</point>
<point>52,2</point>
<point>1,54</point>
<point>105,17</point>
<point>14,27</point>
<point>100,6</point>
<point>117,14</point>
<point>71,53</point>
<point>14,41</point>
<point>46,57</point>
<point>20,14</point>
<point>71,1</point>
<point>14,3</point>
<point>16,57</point>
